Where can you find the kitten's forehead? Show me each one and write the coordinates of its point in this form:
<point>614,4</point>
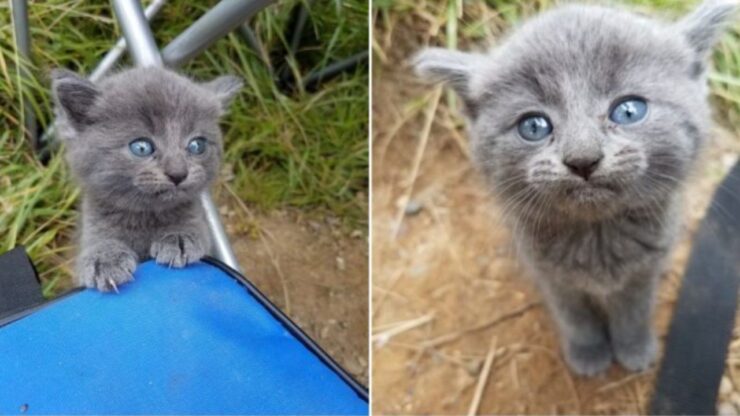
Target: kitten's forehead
<point>153,96</point>
<point>597,49</point>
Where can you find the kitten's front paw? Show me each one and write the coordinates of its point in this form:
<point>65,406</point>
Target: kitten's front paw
<point>590,359</point>
<point>106,269</point>
<point>637,356</point>
<point>178,250</point>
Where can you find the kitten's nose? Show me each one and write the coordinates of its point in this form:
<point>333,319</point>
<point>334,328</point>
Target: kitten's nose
<point>583,166</point>
<point>178,177</point>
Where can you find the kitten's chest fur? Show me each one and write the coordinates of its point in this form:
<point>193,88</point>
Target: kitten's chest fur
<point>600,256</point>
<point>137,228</point>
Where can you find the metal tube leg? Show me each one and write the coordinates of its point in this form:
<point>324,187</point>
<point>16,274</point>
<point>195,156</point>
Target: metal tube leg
<point>224,17</point>
<point>221,247</point>
<point>144,51</point>
<point>23,46</point>
<point>135,28</point>
<point>110,58</point>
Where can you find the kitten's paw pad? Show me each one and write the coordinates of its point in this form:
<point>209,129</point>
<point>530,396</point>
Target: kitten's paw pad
<point>177,250</point>
<point>106,271</point>
<point>638,356</point>
<point>588,360</point>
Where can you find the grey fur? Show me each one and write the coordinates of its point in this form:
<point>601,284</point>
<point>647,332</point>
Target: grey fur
<point>131,209</point>
<point>595,247</point>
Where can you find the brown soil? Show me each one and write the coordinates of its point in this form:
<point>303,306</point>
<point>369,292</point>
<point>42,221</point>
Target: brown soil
<point>447,290</point>
<point>314,271</point>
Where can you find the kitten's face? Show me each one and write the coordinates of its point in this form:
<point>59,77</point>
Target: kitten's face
<point>149,138</point>
<point>585,111</point>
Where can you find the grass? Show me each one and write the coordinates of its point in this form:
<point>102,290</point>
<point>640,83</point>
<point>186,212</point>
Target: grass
<point>304,150</point>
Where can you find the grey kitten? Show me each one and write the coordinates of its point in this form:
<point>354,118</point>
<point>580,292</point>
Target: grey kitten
<point>586,122</point>
<point>143,144</point>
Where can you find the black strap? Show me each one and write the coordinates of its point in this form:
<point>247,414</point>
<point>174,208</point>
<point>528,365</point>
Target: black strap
<point>701,329</point>
<point>19,284</point>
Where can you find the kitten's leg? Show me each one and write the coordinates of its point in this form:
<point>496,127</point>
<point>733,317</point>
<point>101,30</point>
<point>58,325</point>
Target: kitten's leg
<point>105,265</point>
<point>630,313</point>
<point>180,248</point>
<point>582,331</point>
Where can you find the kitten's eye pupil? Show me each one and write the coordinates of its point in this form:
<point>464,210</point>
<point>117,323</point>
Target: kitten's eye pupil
<point>197,146</point>
<point>629,111</point>
<point>534,128</point>
<point>141,147</point>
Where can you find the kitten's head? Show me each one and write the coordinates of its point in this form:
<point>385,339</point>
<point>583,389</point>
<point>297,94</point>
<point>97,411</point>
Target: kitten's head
<point>587,110</point>
<point>145,138</point>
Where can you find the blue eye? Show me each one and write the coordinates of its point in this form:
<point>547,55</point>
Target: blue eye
<point>629,111</point>
<point>197,146</point>
<point>534,128</point>
<point>141,147</point>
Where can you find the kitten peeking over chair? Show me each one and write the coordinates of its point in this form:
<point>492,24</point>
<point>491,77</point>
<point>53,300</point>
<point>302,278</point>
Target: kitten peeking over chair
<point>586,122</point>
<point>143,144</point>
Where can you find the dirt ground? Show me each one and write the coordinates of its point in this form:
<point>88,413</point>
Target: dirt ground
<point>448,294</point>
<point>314,270</point>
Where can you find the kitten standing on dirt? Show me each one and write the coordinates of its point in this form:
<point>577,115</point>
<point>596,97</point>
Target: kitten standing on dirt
<point>586,122</point>
<point>143,144</point>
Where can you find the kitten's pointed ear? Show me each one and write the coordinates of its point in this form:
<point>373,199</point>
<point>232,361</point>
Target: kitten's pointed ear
<point>453,68</point>
<point>225,89</point>
<point>74,96</point>
<point>704,26</point>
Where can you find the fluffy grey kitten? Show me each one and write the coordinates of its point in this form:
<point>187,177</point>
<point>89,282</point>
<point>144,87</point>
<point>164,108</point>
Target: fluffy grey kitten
<point>586,122</point>
<point>143,144</point>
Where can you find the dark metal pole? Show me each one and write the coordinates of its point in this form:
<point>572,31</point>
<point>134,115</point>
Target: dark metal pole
<point>314,79</point>
<point>300,25</point>
<point>255,44</point>
<point>23,46</point>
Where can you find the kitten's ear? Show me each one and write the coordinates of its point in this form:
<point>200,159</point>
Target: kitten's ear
<point>704,26</point>
<point>225,89</point>
<point>74,96</point>
<point>451,67</point>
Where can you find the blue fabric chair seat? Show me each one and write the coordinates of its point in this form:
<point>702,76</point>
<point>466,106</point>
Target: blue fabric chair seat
<point>174,341</point>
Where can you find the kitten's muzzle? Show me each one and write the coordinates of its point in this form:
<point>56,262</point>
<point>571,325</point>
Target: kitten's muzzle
<point>175,168</point>
<point>583,166</point>
<point>177,177</point>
